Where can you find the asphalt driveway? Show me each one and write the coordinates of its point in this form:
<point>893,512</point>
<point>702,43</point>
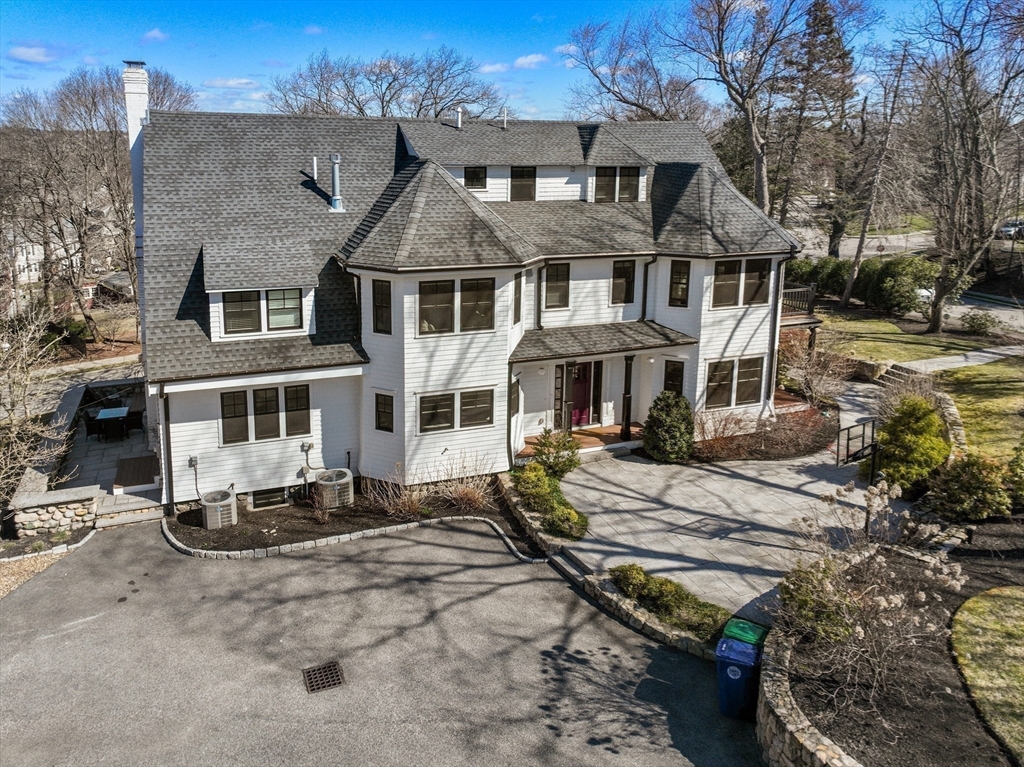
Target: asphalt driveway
<point>454,653</point>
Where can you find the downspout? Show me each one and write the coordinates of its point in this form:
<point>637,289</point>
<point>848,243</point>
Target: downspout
<point>643,308</point>
<point>359,303</point>
<point>169,468</point>
<point>537,296</point>
<point>776,311</point>
<point>508,419</point>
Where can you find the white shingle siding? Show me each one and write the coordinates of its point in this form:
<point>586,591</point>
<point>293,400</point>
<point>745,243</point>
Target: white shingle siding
<point>258,465</point>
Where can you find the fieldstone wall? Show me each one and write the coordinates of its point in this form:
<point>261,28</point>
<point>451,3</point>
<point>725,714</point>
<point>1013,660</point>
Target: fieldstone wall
<point>67,516</point>
<point>786,737</point>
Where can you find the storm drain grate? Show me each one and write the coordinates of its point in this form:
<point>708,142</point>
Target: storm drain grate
<point>323,677</point>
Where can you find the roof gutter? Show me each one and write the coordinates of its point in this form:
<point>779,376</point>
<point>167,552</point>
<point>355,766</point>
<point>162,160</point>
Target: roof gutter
<point>643,308</point>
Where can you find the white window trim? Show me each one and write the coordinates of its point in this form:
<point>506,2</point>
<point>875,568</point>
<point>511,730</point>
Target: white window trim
<point>306,329</point>
<point>457,409</point>
<point>743,277</point>
<point>689,286</point>
<point>735,380</point>
<point>611,284</point>
<point>457,309</point>
<point>250,407</point>
<point>544,290</point>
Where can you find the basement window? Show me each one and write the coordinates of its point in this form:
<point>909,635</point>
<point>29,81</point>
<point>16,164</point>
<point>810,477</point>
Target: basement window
<point>262,499</point>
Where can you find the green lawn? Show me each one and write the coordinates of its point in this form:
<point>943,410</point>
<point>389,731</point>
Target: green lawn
<point>908,225</point>
<point>990,399</point>
<point>988,637</point>
<point>879,341</point>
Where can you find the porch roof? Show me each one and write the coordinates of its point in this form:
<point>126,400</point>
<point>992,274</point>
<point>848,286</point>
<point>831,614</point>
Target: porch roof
<point>607,338</point>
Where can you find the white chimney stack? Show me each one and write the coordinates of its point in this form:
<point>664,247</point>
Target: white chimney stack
<point>504,118</point>
<point>458,118</point>
<point>314,170</point>
<point>136,102</point>
<point>336,206</point>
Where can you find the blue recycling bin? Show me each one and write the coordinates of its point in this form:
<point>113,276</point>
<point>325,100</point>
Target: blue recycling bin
<point>739,670</point>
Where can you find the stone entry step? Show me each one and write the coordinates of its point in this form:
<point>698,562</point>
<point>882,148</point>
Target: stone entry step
<point>150,515</point>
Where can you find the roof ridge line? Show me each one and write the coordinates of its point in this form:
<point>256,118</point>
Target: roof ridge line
<point>614,137</point>
<point>412,222</point>
<point>351,246</point>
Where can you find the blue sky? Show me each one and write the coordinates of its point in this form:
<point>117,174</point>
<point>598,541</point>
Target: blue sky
<point>230,50</point>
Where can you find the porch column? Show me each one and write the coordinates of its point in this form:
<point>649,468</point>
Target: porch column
<point>567,394</point>
<point>627,400</point>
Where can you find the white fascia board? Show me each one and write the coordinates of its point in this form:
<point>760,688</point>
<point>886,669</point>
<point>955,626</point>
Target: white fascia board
<point>259,379</point>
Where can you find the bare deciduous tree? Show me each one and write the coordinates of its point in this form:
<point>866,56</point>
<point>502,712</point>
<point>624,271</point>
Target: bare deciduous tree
<point>392,85</point>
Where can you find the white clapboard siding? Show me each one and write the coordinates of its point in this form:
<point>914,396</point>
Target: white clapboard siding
<point>385,374</point>
<point>456,362</point>
<point>195,431</point>
<point>497,182</point>
<point>555,182</point>
<point>590,295</point>
<point>684,319</point>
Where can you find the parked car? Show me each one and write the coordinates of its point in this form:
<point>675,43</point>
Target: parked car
<point>1011,230</point>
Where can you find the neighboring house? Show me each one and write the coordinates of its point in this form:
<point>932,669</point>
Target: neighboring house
<point>455,289</point>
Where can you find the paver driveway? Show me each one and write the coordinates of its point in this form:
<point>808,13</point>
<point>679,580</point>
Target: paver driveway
<point>126,653</point>
<point>725,531</point>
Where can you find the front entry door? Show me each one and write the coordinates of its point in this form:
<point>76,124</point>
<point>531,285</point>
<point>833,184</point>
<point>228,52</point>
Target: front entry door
<point>581,394</point>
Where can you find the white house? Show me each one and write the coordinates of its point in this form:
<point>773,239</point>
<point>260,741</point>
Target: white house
<point>402,297</point>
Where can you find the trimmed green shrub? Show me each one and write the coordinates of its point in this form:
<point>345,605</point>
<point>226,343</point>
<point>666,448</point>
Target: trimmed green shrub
<point>541,492</point>
<point>867,275</point>
<point>832,276</point>
<point>803,270</point>
<point>1015,476</point>
<point>668,430</point>
<point>971,489</point>
<point>557,452</point>
<point>894,289</point>
<point>629,579</point>
<point>913,445</point>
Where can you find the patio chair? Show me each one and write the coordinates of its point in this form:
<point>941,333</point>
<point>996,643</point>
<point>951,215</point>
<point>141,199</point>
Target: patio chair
<point>134,421</point>
<point>92,427</point>
<point>113,428</point>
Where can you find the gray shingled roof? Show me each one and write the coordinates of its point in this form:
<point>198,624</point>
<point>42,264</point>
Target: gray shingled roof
<point>697,211</point>
<point>243,180</point>
<point>573,227</point>
<point>434,221</point>
<point>606,148</point>
<point>484,142</point>
<point>666,141</point>
<point>583,340</point>
<point>276,262</point>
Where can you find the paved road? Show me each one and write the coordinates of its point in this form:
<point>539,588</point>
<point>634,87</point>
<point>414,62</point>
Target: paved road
<point>454,653</point>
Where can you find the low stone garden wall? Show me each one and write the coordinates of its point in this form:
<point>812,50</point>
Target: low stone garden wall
<point>55,512</point>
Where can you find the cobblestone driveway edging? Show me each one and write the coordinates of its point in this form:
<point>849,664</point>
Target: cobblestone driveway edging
<point>285,548</point>
<point>62,549</point>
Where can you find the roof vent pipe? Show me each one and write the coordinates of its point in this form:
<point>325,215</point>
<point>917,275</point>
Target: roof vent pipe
<point>458,118</point>
<point>336,206</point>
<point>504,118</point>
<point>314,169</point>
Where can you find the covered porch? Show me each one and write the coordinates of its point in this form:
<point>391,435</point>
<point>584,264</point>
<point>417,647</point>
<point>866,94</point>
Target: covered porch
<point>595,439</point>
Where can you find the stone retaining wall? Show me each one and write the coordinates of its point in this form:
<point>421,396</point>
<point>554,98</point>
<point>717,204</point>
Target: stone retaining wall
<point>786,737</point>
<point>71,515</point>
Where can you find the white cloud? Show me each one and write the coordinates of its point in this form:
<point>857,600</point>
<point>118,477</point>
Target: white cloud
<point>566,50</point>
<point>236,83</point>
<point>532,61</point>
<point>569,63</point>
<point>155,36</point>
<point>531,110</point>
<point>491,69</point>
<point>91,61</point>
<point>31,54</point>
<point>313,29</point>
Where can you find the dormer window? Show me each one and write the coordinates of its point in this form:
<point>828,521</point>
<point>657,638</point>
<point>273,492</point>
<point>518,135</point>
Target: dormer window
<point>284,309</point>
<point>476,177</point>
<point>616,184</point>
<point>242,312</point>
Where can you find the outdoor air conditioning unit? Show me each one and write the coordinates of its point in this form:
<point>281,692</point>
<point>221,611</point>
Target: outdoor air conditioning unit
<point>335,487</point>
<point>219,509</point>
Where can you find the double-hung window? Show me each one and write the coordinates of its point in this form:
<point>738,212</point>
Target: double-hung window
<point>265,411</point>
<point>726,290</point>
<point>524,184</point>
<point>477,304</point>
<point>296,410</point>
<point>234,417</point>
<point>384,412</point>
<point>382,306</point>
<point>623,278</point>
<point>242,312</point>
<point>674,376</point>
<point>517,310</point>
<point>754,275</point>
<point>556,287</point>
<point>616,184</point>
<point>734,382</point>
<point>679,284</point>
<point>604,185</point>
<point>284,309</point>
<point>437,307</point>
<point>755,280</point>
<point>437,412</point>
<point>629,184</point>
<point>476,408</point>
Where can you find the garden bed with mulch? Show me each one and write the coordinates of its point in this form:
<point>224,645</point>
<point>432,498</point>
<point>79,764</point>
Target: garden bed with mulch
<point>934,722</point>
<point>44,541</point>
<point>262,528</point>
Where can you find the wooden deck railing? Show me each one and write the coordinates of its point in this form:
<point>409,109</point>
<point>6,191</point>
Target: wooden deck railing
<point>798,299</point>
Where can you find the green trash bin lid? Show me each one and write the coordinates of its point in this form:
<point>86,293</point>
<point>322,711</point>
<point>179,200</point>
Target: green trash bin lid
<point>745,631</point>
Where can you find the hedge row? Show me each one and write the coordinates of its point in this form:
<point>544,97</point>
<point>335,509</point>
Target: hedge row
<point>888,284</point>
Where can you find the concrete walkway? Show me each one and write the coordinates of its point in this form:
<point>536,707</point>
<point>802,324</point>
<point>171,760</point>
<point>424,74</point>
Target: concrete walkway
<point>979,357</point>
